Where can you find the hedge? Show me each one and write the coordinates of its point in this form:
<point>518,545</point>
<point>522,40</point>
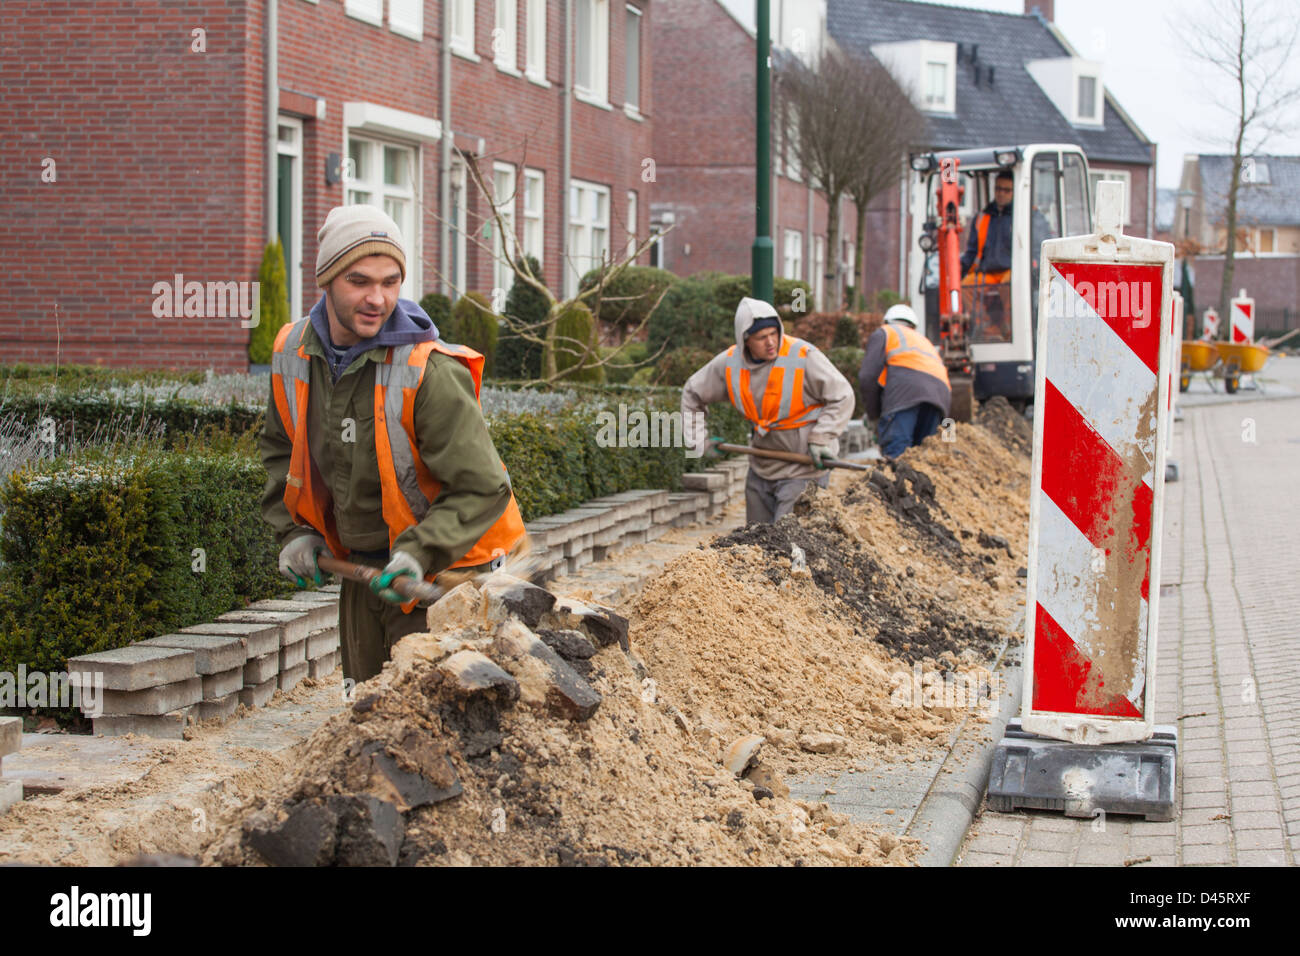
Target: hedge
<point>78,414</point>
<point>100,552</point>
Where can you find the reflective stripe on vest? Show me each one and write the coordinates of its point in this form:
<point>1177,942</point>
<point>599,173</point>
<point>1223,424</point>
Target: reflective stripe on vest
<point>908,348</point>
<point>783,404</point>
<point>407,488</point>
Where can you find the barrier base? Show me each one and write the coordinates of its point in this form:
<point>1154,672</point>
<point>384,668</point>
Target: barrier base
<point>1084,780</point>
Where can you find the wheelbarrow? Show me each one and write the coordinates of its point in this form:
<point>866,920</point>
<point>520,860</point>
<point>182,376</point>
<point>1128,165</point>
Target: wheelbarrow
<point>1241,358</point>
<point>1198,355</point>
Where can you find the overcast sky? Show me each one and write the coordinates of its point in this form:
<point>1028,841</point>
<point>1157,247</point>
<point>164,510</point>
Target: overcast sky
<point>1145,69</point>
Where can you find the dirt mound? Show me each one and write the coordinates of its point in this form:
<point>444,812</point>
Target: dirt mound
<point>998,417</point>
<point>484,746</point>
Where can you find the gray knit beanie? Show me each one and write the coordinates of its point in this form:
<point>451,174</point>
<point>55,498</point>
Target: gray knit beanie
<point>354,232</point>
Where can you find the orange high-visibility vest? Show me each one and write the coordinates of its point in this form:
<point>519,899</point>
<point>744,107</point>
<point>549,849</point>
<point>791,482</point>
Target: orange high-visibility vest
<point>407,486</point>
<point>783,404</point>
<point>975,277</point>
<point>907,348</point>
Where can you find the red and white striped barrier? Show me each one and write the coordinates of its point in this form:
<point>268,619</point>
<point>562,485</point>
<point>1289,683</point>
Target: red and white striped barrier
<point>1241,313</point>
<point>1104,361</point>
<point>1211,326</point>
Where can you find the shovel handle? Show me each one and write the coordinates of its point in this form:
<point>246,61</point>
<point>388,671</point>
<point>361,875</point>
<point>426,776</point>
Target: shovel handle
<point>403,585</point>
<point>793,456</point>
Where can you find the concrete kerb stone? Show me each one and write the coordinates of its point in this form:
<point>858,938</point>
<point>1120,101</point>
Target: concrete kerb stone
<point>954,798</point>
<point>259,694</point>
<point>322,642</point>
<point>213,653</point>
<point>293,655</point>
<point>153,701</point>
<point>11,735</point>
<point>222,708</point>
<point>259,670</point>
<point>259,639</point>
<point>579,544</point>
<point>220,686</point>
<point>133,668</point>
<point>705,481</point>
<point>318,616</point>
<point>170,725</point>
<point>314,597</point>
<point>291,677</point>
<point>11,793</point>
<point>293,627</point>
<point>323,666</point>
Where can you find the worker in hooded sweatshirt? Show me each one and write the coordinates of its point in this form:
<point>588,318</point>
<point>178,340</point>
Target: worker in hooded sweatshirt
<point>795,399</point>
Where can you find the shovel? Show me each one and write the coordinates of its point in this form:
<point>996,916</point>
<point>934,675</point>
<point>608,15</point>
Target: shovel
<point>519,563</point>
<point>791,456</point>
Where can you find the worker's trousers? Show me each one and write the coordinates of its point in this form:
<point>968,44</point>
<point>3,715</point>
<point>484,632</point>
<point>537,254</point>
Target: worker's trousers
<point>767,500</point>
<point>369,626</point>
<point>898,431</point>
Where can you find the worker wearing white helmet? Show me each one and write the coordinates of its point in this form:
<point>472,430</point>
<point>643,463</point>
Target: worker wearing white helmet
<point>904,383</point>
<point>796,400</point>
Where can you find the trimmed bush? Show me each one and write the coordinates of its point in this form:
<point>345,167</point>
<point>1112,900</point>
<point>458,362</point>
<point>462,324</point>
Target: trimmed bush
<point>518,358</point>
<point>680,364</point>
<point>629,353</point>
<point>27,378</point>
<point>690,315</point>
<point>626,301</point>
<point>273,293</point>
<point>848,360</point>
<point>476,325</point>
<point>573,327</point>
<point>846,333</point>
<point>438,307</point>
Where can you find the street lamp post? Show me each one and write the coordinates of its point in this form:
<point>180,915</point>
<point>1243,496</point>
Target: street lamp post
<point>761,259</point>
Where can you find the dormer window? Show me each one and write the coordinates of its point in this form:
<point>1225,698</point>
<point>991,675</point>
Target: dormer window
<point>936,85</point>
<point>1074,86</point>
<point>1087,101</point>
<point>928,67</point>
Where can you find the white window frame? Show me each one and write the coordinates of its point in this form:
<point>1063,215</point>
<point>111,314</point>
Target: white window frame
<point>1122,175</point>
<point>505,179</point>
<point>596,58</point>
<point>293,148</point>
<point>535,41</point>
<point>586,249</point>
<point>792,258</point>
<point>633,16</point>
<point>631,222</point>
<point>533,238</point>
<point>459,219</point>
<point>406,18</point>
<point>1098,98</point>
<point>462,28</point>
<point>931,101</point>
<point>367,11</point>
<point>505,37</point>
<point>377,190</point>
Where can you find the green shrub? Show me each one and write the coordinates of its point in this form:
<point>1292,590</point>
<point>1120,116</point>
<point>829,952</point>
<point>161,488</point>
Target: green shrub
<point>886,298</point>
<point>728,290</point>
<point>476,325</point>
<point>644,376</point>
<point>518,358</point>
<point>848,360</point>
<point>74,416</point>
<point>631,353</point>
<point>575,332</point>
<point>273,293</point>
<point>100,551</point>
<point>846,333</point>
<point>26,378</point>
<point>680,364</point>
<point>626,300</point>
<point>438,307</point>
<point>690,315</point>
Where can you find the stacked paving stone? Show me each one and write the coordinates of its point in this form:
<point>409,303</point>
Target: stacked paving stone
<point>600,528</point>
<point>11,740</point>
<point>158,686</point>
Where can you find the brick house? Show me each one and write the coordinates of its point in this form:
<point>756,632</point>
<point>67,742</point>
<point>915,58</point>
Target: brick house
<point>704,82</point>
<point>1266,262</point>
<point>140,163</point>
<point>988,79</point>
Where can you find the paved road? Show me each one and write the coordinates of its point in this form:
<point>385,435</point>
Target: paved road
<point>1228,671</point>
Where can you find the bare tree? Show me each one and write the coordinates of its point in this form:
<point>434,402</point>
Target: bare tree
<point>886,109</point>
<point>1251,45</point>
<point>544,333</point>
<point>817,110</point>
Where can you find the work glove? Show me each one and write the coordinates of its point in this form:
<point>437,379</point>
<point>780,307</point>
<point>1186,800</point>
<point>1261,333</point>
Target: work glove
<point>398,565</point>
<point>711,446</point>
<point>819,454</point>
<point>298,559</point>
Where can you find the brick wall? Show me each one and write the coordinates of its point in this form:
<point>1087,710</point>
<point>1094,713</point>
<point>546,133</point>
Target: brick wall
<point>1272,281</point>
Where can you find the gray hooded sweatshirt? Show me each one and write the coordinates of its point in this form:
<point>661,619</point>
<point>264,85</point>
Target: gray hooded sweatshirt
<point>822,383</point>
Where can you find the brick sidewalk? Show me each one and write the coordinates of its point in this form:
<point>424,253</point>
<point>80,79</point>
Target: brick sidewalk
<point>1228,669</point>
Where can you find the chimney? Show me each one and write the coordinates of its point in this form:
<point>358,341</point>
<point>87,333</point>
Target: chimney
<point>1041,7</point>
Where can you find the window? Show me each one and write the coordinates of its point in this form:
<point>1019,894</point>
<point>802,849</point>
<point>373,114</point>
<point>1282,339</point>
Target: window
<point>462,26</point>
<point>383,175</point>
<point>936,86</point>
<point>1265,240</point>
<point>631,221</point>
<point>458,219</point>
<point>819,268</point>
<point>505,35</point>
<point>1254,172</point>
<point>371,11</point>
<point>791,142</point>
<point>632,94</point>
<point>588,230</point>
<point>406,17</point>
<point>591,49</point>
<point>1078,221</point>
<point>534,211</point>
<point>535,50</point>
<point>1124,176</point>
<point>793,254</point>
<point>503,245</point>
<point>288,218</point>
<point>1088,111</point>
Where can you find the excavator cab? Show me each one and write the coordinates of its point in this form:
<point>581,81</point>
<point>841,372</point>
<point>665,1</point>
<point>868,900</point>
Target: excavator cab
<point>986,324</point>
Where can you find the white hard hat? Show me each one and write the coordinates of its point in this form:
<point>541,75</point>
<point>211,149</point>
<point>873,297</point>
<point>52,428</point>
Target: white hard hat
<point>902,313</point>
